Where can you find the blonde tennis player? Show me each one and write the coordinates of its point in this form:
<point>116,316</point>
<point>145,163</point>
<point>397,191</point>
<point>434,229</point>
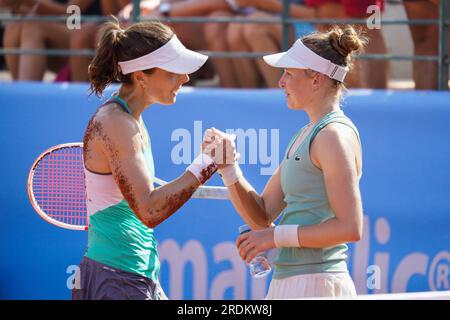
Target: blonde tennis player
<point>316,187</point>
<point>121,260</point>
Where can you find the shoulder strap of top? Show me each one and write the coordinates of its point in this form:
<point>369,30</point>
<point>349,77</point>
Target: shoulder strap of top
<point>121,103</point>
<point>338,117</point>
<point>116,99</point>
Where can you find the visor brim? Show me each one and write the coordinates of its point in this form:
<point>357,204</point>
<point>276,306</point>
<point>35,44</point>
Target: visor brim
<point>283,60</point>
<point>187,62</point>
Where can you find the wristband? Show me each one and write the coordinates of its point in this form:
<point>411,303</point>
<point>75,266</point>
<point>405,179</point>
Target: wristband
<point>286,236</point>
<point>203,167</point>
<point>230,174</point>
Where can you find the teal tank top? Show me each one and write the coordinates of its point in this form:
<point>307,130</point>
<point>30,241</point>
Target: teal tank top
<point>116,237</point>
<point>307,204</point>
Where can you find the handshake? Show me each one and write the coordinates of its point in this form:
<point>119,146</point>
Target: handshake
<point>220,147</point>
<point>218,154</point>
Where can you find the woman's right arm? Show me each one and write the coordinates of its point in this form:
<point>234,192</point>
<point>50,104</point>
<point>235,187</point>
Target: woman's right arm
<point>123,149</point>
<point>258,211</point>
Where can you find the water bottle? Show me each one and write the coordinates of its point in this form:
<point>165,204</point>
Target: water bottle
<point>259,266</point>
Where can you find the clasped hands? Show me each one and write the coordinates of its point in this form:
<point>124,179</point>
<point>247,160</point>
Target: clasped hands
<point>221,147</point>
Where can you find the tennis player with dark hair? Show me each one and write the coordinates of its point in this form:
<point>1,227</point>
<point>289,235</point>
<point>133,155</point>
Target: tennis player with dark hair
<point>121,260</point>
<point>316,187</point>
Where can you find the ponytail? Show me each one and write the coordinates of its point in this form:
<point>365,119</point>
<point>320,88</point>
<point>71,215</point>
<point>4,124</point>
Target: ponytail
<point>104,68</point>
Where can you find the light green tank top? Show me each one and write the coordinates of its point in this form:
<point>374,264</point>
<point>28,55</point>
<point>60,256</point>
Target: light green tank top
<point>307,204</point>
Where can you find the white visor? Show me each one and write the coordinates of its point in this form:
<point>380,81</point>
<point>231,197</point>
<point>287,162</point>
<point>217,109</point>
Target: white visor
<point>172,57</point>
<point>300,56</point>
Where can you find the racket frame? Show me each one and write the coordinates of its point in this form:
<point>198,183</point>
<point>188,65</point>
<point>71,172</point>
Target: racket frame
<point>31,196</point>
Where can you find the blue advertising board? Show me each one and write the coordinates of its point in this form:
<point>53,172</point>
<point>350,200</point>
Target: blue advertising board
<point>405,188</point>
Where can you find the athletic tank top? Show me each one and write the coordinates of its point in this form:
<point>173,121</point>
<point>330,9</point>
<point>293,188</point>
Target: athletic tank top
<point>116,237</point>
<point>307,204</point>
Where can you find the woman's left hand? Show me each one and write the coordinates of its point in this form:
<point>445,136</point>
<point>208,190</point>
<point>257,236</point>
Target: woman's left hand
<point>251,243</point>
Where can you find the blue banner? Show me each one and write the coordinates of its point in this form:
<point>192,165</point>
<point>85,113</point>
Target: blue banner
<point>405,188</point>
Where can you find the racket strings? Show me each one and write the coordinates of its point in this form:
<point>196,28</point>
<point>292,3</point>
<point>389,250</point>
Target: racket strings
<point>58,186</point>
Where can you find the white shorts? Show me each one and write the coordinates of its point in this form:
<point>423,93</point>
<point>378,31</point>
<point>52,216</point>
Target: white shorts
<point>314,285</point>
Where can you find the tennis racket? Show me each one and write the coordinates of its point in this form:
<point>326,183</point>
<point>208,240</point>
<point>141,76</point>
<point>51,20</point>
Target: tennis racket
<point>57,192</point>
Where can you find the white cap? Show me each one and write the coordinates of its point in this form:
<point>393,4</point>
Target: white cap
<point>172,56</point>
<point>300,56</point>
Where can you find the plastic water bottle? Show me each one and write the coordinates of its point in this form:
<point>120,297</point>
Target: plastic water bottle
<point>259,266</point>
